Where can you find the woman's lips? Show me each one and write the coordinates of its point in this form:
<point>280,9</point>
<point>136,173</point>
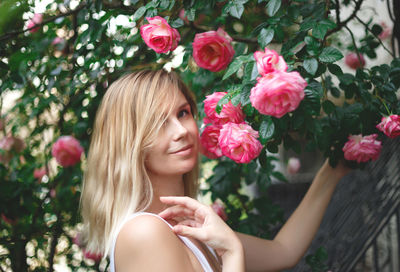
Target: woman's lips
<point>184,151</point>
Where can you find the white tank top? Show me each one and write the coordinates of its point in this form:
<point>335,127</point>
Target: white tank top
<point>199,255</point>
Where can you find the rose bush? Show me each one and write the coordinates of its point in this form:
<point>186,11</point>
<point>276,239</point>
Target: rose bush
<point>224,46</point>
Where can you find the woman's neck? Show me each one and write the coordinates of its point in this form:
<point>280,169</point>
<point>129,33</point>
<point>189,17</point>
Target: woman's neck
<point>165,186</point>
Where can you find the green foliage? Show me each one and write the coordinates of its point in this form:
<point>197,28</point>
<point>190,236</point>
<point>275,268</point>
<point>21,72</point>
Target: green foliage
<point>61,86</point>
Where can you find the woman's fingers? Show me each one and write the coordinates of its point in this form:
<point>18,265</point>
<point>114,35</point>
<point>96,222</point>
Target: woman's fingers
<point>189,232</point>
<point>184,201</point>
<point>176,211</point>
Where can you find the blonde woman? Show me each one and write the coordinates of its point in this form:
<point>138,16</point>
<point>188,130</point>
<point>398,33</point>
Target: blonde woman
<point>142,161</point>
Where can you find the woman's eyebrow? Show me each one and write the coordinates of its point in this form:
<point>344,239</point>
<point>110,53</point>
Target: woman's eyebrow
<point>184,104</point>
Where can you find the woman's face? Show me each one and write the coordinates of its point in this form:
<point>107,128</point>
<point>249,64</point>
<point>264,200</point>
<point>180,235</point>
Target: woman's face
<point>175,150</point>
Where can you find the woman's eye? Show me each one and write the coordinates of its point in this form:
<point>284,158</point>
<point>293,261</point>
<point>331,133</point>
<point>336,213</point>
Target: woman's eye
<point>183,113</point>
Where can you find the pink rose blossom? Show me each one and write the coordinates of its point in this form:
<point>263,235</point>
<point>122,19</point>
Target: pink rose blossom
<point>77,240</point>
<point>159,35</point>
<point>386,31</point>
<point>67,151</point>
<point>229,112</point>
<point>353,62</point>
<point>390,125</point>
<point>209,142</point>
<point>239,142</point>
<point>182,16</point>
<point>220,210</point>
<point>39,173</point>
<point>269,61</point>
<point>362,149</point>
<point>37,19</point>
<point>212,50</point>
<point>96,257</point>
<point>8,145</point>
<point>293,165</point>
<point>278,93</point>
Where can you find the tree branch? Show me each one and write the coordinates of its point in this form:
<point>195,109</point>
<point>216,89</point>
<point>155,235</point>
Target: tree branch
<point>344,23</point>
<point>8,35</point>
<point>56,234</point>
<point>366,27</point>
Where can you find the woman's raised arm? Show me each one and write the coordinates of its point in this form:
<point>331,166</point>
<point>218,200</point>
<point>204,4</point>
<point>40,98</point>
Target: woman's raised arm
<point>293,240</point>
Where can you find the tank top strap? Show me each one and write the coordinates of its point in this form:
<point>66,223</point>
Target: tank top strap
<point>199,255</point>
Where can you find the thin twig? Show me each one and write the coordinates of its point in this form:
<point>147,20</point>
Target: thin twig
<point>366,27</point>
<point>344,23</point>
<point>8,35</point>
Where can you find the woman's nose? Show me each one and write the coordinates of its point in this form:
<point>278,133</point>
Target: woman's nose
<point>179,130</point>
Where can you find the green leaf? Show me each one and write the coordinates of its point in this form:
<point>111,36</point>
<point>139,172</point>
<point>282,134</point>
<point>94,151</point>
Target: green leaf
<point>233,67</point>
<point>177,23</point>
<point>279,176</point>
<point>222,102</point>
<point>310,65</point>
<point>190,14</point>
<point>139,13</point>
<point>236,8</point>
<point>320,29</point>
<point>265,37</point>
<point>273,7</point>
<point>335,69</point>
<point>330,54</point>
<point>346,79</point>
<point>266,131</point>
<point>328,106</point>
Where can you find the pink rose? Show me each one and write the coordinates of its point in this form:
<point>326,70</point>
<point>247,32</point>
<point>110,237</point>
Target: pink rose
<point>362,149</point>
<point>183,17</point>
<point>57,40</point>
<point>209,142</point>
<point>212,50</point>
<point>159,35</point>
<point>353,62</point>
<point>229,112</point>
<point>37,19</point>
<point>67,151</point>
<point>386,31</point>
<point>293,165</point>
<point>220,210</point>
<point>92,256</point>
<point>8,145</point>
<point>278,93</point>
<point>390,125</point>
<point>239,142</point>
<point>39,173</point>
<point>269,61</point>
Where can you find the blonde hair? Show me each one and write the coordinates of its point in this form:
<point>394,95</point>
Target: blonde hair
<point>116,182</point>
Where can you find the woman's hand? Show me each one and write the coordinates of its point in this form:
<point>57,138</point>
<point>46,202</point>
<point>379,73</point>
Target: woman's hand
<point>199,221</point>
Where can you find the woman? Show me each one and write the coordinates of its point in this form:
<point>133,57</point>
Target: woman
<point>144,146</point>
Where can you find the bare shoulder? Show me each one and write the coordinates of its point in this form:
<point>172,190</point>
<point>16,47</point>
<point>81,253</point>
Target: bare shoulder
<point>146,243</point>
